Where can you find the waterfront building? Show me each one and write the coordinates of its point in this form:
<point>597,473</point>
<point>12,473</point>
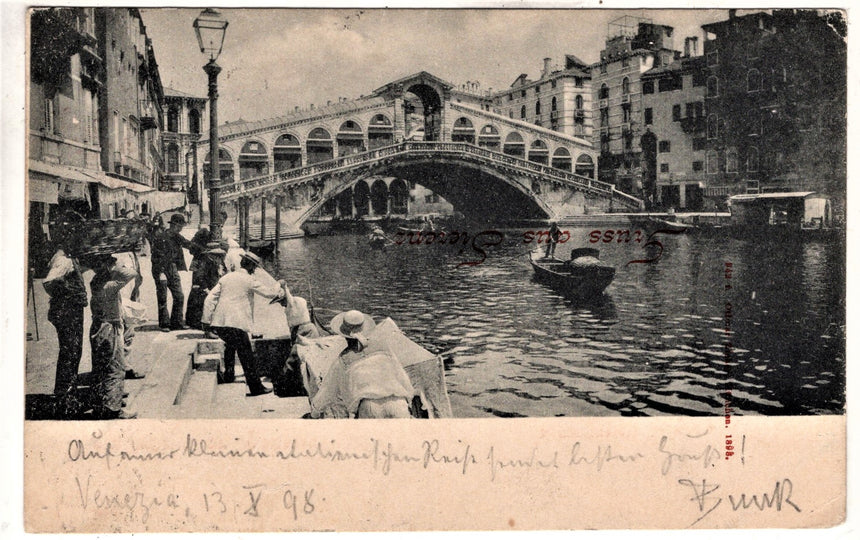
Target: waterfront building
<point>131,123</point>
<point>559,100</point>
<point>185,119</point>
<point>633,46</point>
<point>776,104</point>
<point>93,118</point>
<point>673,142</point>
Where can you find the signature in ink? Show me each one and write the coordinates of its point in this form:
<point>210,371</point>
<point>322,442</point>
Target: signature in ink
<point>706,498</point>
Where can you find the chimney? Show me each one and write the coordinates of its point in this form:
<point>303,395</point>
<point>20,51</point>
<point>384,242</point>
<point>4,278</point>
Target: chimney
<point>732,13</point>
<point>312,106</point>
<point>546,67</point>
<point>328,103</point>
<point>296,109</point>
<point>686,47</point>
<point>694,46</point>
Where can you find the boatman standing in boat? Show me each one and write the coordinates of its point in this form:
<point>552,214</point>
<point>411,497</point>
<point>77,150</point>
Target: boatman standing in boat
<point>554,235</point>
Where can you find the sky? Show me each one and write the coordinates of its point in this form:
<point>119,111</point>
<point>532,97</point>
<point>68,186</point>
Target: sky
<point>276,59</point>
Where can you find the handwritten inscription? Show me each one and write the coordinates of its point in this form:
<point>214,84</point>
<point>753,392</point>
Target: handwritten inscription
<point>678,455</point>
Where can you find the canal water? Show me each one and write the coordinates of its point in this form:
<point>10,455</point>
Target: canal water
<point>673,336</point>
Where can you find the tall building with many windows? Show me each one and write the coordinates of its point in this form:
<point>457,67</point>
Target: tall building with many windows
<point>633,46</point>
<point>560,100</point>
<point>94,119</point>
<point>673,142</point>
<point>130,126</point>
<point>776,104</point>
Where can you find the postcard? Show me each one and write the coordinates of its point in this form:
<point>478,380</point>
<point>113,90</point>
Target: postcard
<point>380,269</point>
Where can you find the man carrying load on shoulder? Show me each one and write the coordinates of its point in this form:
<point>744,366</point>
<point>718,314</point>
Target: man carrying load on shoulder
<point>107,335</point>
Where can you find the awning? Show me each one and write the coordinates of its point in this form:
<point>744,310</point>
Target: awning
<point>43,191</point>
<point>110,182</point>
<point>72,184</point>
<point>751,197</point>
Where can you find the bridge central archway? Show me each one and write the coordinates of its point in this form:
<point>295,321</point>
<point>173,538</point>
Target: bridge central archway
<point>431,110</point>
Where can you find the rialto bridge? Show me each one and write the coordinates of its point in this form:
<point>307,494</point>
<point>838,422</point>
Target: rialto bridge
<point>358,158</point>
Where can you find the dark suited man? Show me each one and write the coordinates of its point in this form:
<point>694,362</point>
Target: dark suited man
<point>168,260</point>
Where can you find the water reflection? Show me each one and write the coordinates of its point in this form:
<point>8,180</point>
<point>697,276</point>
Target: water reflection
<point>655,343</point>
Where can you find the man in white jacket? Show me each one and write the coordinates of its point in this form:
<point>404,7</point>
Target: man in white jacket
<point>229,311</point>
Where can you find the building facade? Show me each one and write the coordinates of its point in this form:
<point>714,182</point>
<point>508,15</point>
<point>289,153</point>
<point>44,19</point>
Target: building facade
<point>93,118</point>
<point>130,128</point>
<point>673,144</point>
<point>633,47</point>
<point>560,100</point>
<point>776,104</point>
<point>185,119</point>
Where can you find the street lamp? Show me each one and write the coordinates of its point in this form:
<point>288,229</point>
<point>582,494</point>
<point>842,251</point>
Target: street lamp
<point>210,27</point>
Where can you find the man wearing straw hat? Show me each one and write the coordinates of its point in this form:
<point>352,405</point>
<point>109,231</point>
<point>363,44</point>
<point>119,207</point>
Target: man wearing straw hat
<point>229,311</point>
<point>365,381</point>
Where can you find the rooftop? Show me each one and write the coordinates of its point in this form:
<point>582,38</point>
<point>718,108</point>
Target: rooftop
<point>171,92</point>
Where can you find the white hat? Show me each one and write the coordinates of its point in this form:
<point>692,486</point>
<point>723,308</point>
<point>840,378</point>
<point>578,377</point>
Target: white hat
<point>350,323</point>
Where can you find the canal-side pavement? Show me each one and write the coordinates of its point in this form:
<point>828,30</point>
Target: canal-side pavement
<point>172,388</point>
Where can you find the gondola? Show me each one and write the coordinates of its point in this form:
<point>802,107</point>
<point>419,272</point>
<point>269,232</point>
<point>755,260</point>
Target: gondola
<point>583,276</point>
<point>263,248</point>
<point>652,224</point>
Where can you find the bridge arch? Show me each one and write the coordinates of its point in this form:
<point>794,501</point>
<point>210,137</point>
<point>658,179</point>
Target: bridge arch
<point>319,145</point>
<point>361,198</point>
<point>539,152</point>
<point>253,159</point>
<point>350,138</point>
<point>379,197</point>
<point>489,138</point>
<point>514,145</point>
<point>464,131</point>
<point>399,192</point>
<point>226,166</point>
<point>287,152</point>
<point>431,102</point>
<point>461,181</point>
<point>380,131</point>
<point>561,159</point>
<point>585,166</point>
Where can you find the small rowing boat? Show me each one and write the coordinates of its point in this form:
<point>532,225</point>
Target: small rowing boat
<point>263,248</point>
<point>583,276</point>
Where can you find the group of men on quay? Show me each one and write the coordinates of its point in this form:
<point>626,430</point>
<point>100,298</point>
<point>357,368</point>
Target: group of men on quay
<point>220,303</point>
<point>225,280</point>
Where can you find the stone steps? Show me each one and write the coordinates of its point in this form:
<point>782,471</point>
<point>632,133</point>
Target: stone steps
<point>170,370</point>
<point>197,397</point>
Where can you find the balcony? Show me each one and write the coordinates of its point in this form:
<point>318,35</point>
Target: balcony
<point>553,115</point>
<point>148,115</point>
<point>693,124</point>
<point>604,103</point>
<point>128,166</point>
<point>625,98</point>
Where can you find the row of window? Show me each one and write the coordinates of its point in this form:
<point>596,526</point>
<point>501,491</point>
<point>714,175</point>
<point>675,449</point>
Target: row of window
<point>578,83</point>
<point>719,162</point>
<point>173,116</point>
<point>603,93</point>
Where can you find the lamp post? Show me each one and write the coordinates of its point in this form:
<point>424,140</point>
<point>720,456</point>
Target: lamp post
<point>210,27</point>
